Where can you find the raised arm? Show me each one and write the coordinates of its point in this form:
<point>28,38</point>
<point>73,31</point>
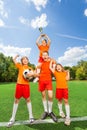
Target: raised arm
<point>52,63</point>
<point>68,75</point>
<point>14,59</point>
<point>37,41</point>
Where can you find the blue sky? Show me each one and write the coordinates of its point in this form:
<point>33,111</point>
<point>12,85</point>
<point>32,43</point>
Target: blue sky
<point>64,21</point>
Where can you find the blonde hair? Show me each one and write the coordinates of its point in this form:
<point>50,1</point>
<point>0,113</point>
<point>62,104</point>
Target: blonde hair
<point>61,67</point>
<point>24,58</point>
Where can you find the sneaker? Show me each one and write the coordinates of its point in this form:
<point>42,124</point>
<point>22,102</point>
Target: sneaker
<point>67,121</point>
<point>45,114</point>
<point>11,122</point>
<point>31,120</point>
<point>62,115</point>
<point>35,80</point>
<point>53,117</point>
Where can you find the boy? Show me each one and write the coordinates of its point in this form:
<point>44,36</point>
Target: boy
<point>45,84</point>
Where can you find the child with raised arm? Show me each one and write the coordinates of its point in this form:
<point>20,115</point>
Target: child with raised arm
<point>22,89</point>
<point>43,44</point>
<point>62,76</point>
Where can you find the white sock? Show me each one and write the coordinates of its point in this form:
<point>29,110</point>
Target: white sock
<point>45,106</point>
<point>60,107</point>
<point>29,106</point>
<point>67,108</point>
<point>50,106</point>
<point>15,107</point>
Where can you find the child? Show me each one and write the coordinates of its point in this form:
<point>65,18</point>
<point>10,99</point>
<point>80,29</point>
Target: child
<point>22,89</point>
<point>61,89</point>
<point>45,87</point>
<point>43,46</point>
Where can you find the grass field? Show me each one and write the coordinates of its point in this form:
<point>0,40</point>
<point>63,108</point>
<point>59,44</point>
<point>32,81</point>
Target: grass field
<point>77,101</point>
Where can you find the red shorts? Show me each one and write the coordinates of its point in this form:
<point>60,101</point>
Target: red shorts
<point>22,90</point>
<point>40,59</point>
<point>62,94</point>
<point>45,85</point>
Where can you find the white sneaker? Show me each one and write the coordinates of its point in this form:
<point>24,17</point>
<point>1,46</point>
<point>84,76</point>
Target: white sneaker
<point>67,121</point>
<point>62,114</point>
<point>11,122</point>
<point>36,79</point>
<point>31,120</point>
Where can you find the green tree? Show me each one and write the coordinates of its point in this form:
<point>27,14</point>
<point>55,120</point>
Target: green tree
<point>81,72</point>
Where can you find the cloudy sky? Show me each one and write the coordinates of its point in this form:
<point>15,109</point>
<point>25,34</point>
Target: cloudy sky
<point>64,21</point>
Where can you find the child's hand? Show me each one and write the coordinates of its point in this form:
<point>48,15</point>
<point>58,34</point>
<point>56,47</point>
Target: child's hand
<point>42,35</point>
<point>17,55</point>
<point>67,70</point>
<point>36,74</point>
<point>53,61</point>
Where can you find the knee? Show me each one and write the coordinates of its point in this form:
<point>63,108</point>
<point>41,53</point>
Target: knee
<point>28,100</point>
<point>16,101</point>
<point>50,98</point>
<point>66,101</point>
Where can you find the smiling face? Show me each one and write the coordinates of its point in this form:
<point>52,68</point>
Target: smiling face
<point>59,68</point>
<point>24,60</point>
<point>44,42</point>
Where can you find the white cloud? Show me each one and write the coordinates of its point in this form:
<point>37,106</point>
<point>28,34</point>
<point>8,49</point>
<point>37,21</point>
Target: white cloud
<point>3,12</point>
<point>73,55</point>
<point>39,21</point>
<point>12,51</point>
<point>38,3</point>
<point>72,37</point>
<point>85,12</point>
<point>2,24</point>
<point>24,21</point>
<point>35,23</point>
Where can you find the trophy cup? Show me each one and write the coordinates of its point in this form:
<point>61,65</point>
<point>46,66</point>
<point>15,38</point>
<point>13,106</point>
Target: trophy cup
<point>41,31</point>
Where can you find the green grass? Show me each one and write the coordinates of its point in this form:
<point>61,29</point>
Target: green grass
<point>77,101</point>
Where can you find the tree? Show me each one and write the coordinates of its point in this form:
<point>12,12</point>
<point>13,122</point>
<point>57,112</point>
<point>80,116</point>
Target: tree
<point>8,71</point>
<point>81,72</point>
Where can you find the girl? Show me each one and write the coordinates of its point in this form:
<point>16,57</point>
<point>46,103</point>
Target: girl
<point>61,89</point>
<point>22,89</point>
<point>43,44</point>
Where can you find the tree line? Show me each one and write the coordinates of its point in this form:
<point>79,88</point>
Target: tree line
<point>8,71</point>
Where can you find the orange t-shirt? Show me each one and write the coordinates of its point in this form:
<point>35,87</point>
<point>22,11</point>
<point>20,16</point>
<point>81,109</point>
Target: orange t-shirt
<point>21,68</point>
<point>61,81</point>
<point>43,48</point>
<point>45,72</point>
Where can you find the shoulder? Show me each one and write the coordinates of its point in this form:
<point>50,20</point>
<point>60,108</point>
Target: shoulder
<point>18,65</point>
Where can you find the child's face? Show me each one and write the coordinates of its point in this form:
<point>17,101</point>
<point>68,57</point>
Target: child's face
<point>25,61</point>
<point>45,56</point>
<point>59,68</point>
<point>44,43</point>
